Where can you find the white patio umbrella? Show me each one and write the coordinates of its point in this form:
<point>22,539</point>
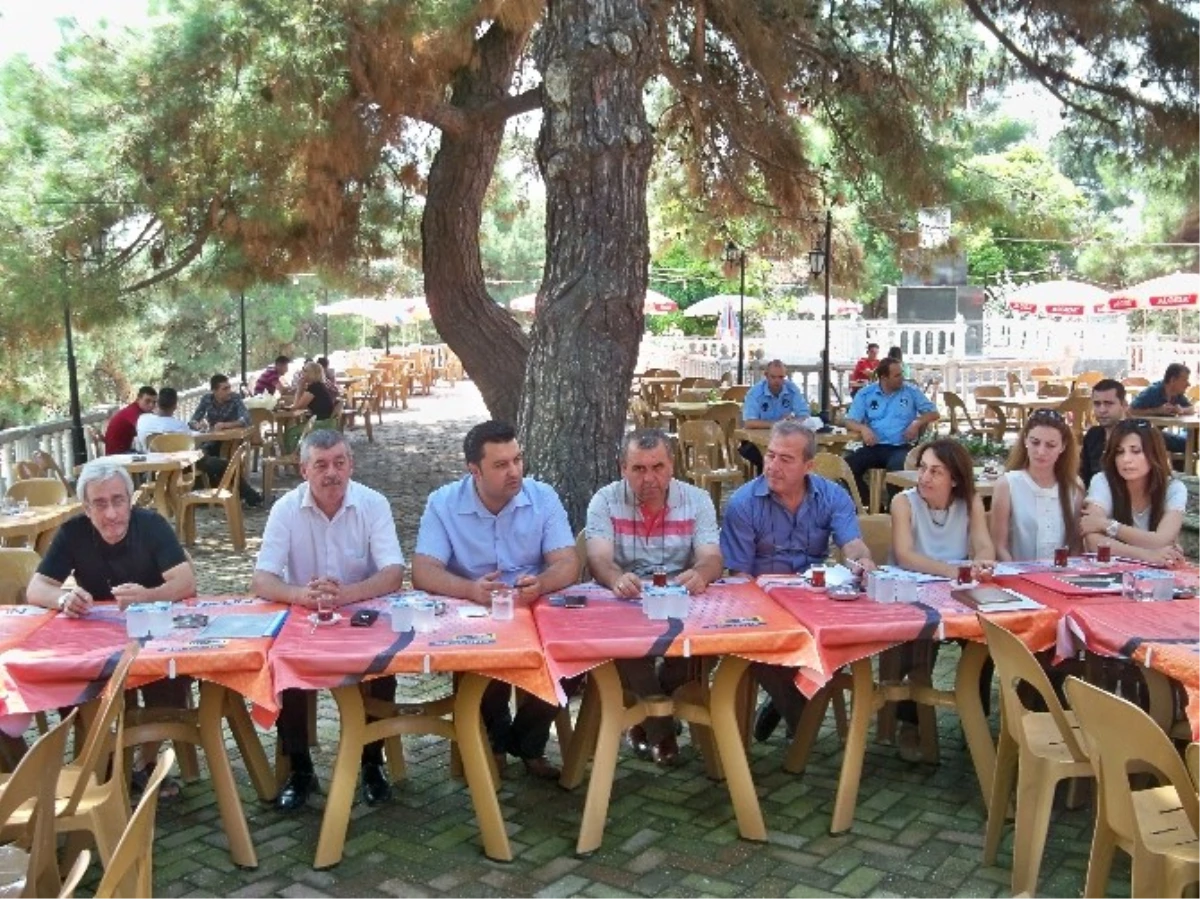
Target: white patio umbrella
<point>714,305</point>
<point>1178,291</point>
<point>375,310</point>
<point>814,304</point>
<point>1062,297</point>
<point>654,304</point>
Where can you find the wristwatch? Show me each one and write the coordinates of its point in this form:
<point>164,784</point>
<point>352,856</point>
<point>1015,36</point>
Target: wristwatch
<point>1113,527</point>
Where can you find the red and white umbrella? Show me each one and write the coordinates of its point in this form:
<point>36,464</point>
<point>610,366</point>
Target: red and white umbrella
<point>1067,298</point>
<point>1178,291</point>
<point>655,303</point>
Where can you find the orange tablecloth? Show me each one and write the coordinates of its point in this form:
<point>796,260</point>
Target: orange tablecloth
<point>848,631</point>
<point>18,622</point>
<point>1162,636</point>
<point>337,655</point>
<point>67,661</point>
<point>728,619</point>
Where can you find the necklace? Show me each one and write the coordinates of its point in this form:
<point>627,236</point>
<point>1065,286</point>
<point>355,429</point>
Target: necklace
<point>939,517</point>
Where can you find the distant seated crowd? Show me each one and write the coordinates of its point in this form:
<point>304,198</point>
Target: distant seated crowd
<point>496,528</point>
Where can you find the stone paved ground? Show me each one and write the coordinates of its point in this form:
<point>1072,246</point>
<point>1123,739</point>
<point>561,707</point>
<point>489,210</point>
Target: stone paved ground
<point>918,831</point>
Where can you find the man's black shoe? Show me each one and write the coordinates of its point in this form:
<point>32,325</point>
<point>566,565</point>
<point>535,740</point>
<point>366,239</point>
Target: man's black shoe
<point>253,499</point>
<point>766,722</point>
<point>375,786</point>
<point>295,791</point>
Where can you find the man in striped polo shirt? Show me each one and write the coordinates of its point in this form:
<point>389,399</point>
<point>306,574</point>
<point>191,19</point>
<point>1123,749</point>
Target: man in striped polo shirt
<point>647,521</point>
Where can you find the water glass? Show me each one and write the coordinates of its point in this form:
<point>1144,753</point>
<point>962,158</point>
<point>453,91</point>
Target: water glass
<point>503,602</point>
<point>161,620</point>
<point>678,604</point>
<point>907,590</point>
<point>655,604</point>
<point>402,616</point>
<point>424,612</point>
<point>886,589</point>
<point>137,619</point>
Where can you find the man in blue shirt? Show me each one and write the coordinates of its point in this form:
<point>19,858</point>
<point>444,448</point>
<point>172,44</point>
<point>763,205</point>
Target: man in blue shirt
<point>773,398</point>
<point>490,530</point>
<point>888,415</point>
<point>1167,397</point>
<point>780,523</point>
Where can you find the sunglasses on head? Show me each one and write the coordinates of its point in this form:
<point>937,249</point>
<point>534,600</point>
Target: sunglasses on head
<point>1139,424</point>
<point>1046,415</point>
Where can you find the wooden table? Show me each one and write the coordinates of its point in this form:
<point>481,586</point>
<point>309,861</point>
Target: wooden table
<point>66,662</point>
<point>984,486</point>
<point>227,437</point>
<point>340,658</point>
<point>167,469</point>
<point>1017,408</point>
<point>827,441</point>
<point>1191,426</point>
<point>736,622</point>
<point>36,526</point>
<point>850,633</point>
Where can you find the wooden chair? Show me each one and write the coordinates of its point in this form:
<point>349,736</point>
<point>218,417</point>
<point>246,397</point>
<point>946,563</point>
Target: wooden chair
<point>1136,381</point>
<point>736,393</point>
<point>1088,379</point>
<point>39,491</point>
<point>1192,757</point>
<point>585,573</point>
<point>992,420</point>
<point>360,405</point>
<point>706,457</point>
<point>1192,393</point>
<point>1036,751</point>
<point>1157,826</point>
<point>1046,390</point>
<point>41,465</point>
<point>93,786</point>
<point>27,804</point>
<point>958,413</point>
<point>1077,410</point>
<point>71,881</point>
<point>1015,387</point>
<point>262,430</point>
<point>728,416</point>
<point>271,464</point>
<point>17,566</point>
<point>130,870</point>
<point>833,467</point>
<point>225,494</point>
<point>877,534</point>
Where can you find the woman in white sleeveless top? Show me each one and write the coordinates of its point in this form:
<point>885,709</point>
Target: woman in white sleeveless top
<point>1036,505</point>
<point>941,521</point>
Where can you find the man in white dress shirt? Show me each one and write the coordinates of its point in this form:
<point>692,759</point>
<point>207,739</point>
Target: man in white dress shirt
<point>329,536</point>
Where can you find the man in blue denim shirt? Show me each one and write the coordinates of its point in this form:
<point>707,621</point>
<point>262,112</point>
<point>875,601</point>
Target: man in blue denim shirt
<point>1167,397</point>
<point>780,523</point>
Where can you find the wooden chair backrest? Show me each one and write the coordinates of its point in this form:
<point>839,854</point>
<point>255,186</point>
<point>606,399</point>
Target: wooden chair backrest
<point>1089,378</point>
<point>1014,383</point>
<point>1041,370</point>
<point>130,871</point>
<point>1135,381</point>
<point>727,415</point>
<point>172,443</point>
<point>233,471</point>
<point>688,383</point>
<point>105,734</point>
<point>708,383</point>
<point>50,467</point>
<point>585,573</point>
<point>736,393</point>
<point>877,534</point>
<point>39,491</point>
<point>1077,409</point>
<point>668,373</point>
<point>1015,665</point>
<point>36,778</point>
<point>258,418</point>
<point>703,446</point>
<point>833,467</point>
<point>1048,390</point>
<point>639,410</point>
<point>1122,739</point>
<point>17,565</point>
<point>910,459</point>
<point>27,468</point>
<point>1192,393</point>
<point>955,406</point>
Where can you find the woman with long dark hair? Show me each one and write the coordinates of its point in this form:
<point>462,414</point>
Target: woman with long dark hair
<point>1134,502</point>
<point>1036,504</point>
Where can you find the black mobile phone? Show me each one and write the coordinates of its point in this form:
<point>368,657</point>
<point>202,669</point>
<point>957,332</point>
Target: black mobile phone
<point>363,618</point>
<point>575,601</point>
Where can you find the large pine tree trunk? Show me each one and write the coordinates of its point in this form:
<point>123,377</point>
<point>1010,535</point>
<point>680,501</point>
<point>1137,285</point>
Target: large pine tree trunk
<point>489,342</point>
<point>594,150</point>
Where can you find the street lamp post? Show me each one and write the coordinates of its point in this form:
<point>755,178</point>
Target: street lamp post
<point>735,254</point>
<point>818,262</point>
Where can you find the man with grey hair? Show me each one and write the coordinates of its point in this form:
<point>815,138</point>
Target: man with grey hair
<point>780,523</point>
<point>643,522</point>
<point>330,536</point>
<point>117,551</point>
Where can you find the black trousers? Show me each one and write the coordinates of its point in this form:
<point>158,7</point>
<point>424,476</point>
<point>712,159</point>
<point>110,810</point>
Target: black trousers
<point>526,734</point>
<point>752,454</point>
<point>779,682</point>
<point>881,455</point>
<point>292,726</point>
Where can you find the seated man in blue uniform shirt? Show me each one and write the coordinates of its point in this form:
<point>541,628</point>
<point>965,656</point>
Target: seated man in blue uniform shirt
<point>773,398</point>
<point>780,523</point>
<point>1167,397</point>
<point>493,529</point>
<point>888,415</point>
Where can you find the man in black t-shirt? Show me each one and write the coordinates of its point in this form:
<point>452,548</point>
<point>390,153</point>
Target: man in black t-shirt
<point>1108,408</point>
<point>116,551</point>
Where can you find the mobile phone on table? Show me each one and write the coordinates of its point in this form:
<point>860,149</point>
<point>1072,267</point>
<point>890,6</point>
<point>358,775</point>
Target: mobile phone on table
<point>575,601</point>
<point>363,618</point>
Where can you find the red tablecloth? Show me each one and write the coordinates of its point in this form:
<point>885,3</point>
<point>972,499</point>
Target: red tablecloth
<point>848,631</point>
<point>336,655</point>
<point>1163,636</point>
<point>67,661</point>
<point>727,619</point>
<point>18,622</point>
